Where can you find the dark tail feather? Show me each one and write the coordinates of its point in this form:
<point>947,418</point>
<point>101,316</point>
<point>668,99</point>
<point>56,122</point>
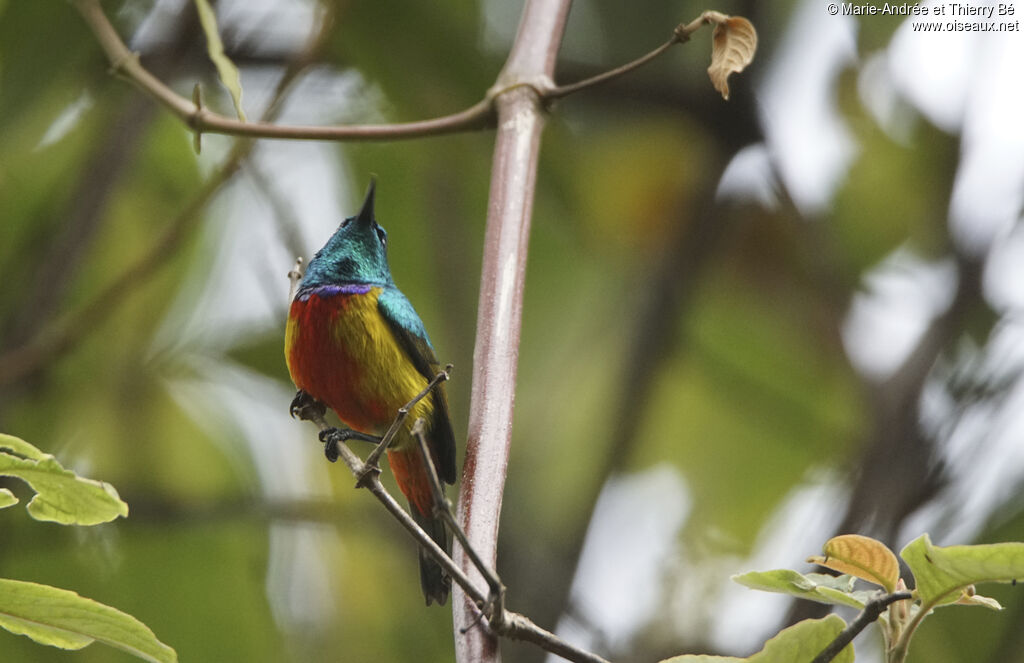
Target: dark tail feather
<point>433,579</point>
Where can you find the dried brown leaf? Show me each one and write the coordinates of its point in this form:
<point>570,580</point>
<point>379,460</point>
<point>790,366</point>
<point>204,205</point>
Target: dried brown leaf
<point>734,42</point>
<point>862,557</point>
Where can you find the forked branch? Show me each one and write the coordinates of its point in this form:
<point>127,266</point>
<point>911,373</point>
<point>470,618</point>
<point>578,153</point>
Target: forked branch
<point>481,115</point>
<point>499,620</point>
<point>871,612</point>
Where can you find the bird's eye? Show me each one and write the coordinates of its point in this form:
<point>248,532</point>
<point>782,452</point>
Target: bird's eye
<point>382,236</point>
<point>344,224</point>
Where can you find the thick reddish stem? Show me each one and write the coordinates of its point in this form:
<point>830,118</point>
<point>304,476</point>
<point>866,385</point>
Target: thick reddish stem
<point>513,175</point>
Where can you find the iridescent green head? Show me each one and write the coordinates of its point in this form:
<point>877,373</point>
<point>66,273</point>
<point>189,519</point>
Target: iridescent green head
<point>355,254</point>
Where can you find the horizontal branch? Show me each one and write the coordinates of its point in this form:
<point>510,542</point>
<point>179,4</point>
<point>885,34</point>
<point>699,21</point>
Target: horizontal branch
<point>480,115</point>
<point>202,120</point>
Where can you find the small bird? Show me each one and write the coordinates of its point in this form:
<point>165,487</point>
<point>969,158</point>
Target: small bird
<point>355,344</point>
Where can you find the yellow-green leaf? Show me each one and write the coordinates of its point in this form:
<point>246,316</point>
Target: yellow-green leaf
<point>7,498</point>
<point>799,643</point>
<point>60,618</point>
<point>863,557</point>
<point>61,495</point>
<point>942,574</point>
<point>21,447</point>
<point>226,69</point>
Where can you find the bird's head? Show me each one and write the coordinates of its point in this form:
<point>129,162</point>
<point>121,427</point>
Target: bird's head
<point>355,253</point>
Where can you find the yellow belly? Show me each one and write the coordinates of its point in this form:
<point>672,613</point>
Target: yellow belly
<point>341,351</point>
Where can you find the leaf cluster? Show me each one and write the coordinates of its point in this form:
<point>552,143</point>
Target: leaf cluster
<point>941,576</point>
<point>53,616</point>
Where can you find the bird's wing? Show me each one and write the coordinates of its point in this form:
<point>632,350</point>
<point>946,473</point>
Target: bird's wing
<point>412,336</point>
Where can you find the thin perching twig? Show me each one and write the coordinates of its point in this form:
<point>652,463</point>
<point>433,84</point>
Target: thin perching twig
<point>442,507</point>
<point>368,476</point>
<point>500,621</point>
<point>403,413</point>
<point>872,611</point>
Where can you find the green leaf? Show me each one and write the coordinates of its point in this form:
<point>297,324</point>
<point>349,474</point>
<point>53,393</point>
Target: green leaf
<point>942,574</point>
<point>820,587</point>
<point>7,498</point>
<point>21,447</point>
<point>63,619</point>
<point>226,69</point>
<point>799,643</point>
<point>61,495</point>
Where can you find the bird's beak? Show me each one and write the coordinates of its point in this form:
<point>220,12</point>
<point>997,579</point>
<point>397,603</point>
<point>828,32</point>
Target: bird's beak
<point>365,217</point>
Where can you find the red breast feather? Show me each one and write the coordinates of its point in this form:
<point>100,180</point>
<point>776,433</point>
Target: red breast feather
<point>341,351</point>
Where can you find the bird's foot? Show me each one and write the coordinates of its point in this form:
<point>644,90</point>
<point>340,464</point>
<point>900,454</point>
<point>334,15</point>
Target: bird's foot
<point>332,437</point>
<point>306,408</point>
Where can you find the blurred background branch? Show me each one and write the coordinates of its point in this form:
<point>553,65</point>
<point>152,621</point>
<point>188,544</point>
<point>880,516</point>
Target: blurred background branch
<point>38,338</point>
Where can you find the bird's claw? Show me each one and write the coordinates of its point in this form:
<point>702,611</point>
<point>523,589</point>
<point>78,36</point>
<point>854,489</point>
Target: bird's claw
<point>306,407</point>
<point>332,437</point>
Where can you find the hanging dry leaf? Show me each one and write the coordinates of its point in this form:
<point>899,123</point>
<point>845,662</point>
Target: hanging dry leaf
<point>733,44</point>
